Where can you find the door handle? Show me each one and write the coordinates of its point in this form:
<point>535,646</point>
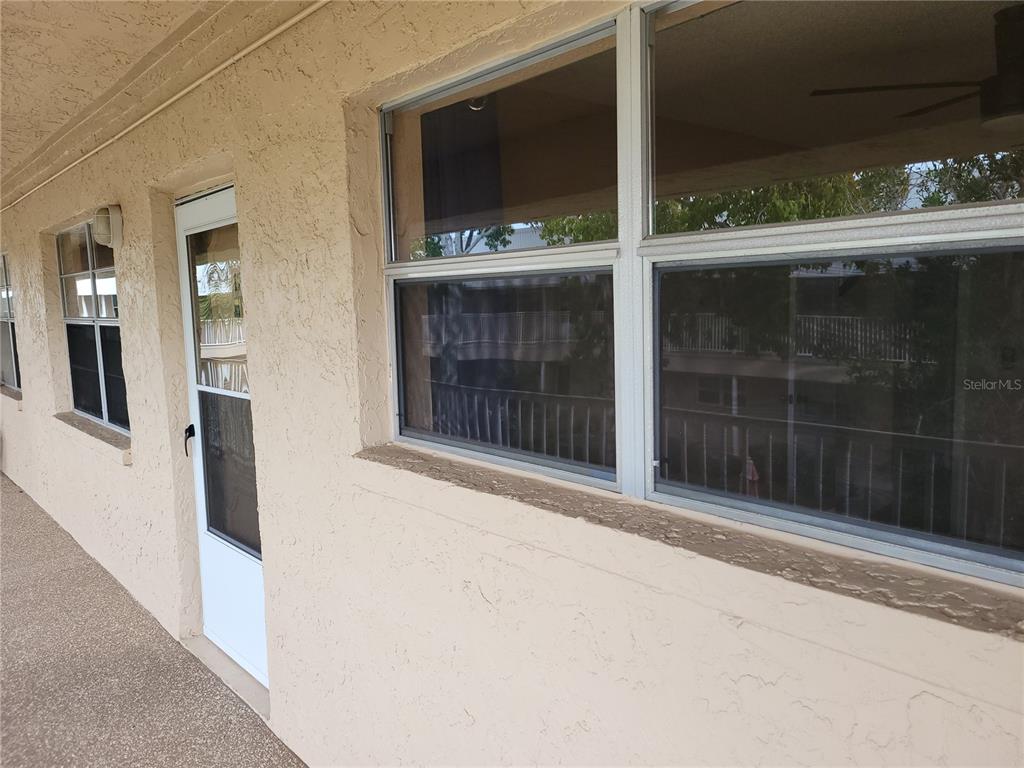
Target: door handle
<point>190,431</point>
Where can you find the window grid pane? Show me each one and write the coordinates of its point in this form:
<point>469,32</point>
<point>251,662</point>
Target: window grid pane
<point>10,373</point>
<point>518,365</point>
<point>73,250</point>
<point>85,375</point>
<point>887,391</point>
<point>807,129</point>
<point>526,160</point>
<point>6,293</point>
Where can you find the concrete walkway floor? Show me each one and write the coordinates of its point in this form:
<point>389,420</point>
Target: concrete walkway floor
<point>89,678</point>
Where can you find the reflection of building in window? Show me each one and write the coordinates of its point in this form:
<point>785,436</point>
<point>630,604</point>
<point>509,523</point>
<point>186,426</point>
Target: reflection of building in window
<point>220,314</point>
<point>839,385</point>
<point>519,364</point>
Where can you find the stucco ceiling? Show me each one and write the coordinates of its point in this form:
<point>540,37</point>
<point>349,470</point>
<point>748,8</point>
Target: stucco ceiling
<point>58,58</point>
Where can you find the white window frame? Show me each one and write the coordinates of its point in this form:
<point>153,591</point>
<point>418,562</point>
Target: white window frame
<point>633,259</point>
<point>96,322</point>
<point>5,284</point>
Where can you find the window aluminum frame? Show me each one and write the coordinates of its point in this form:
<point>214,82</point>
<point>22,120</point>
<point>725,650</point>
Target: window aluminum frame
<point>5,284</point>
<point>633,259</point>
<point>96,322</point>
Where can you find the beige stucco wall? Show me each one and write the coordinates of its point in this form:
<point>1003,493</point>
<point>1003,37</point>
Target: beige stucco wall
<point>409,620</point>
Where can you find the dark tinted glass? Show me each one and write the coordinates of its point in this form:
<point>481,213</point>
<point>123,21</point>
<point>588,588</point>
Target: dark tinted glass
<point>748,128</point>
<point>522,161</point>
<point>9,373</point>
<point>890,390</point>
<point>523,365</point>
<point>85,372</point>
<point>14,348</point>
<point>230,468</point>
<point>113,375</point>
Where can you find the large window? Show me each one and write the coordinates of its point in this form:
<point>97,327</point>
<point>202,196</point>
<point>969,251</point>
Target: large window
<point>857,374</point>
<point>10,370</point>
<point>888,390</point>
<point>772,112</point>
<point>89,293</point>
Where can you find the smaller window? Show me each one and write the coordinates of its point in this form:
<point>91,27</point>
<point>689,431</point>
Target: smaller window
<point>521,366</point>
<point>10,370</point>
<point>520,160</point>
<point>89,291</point>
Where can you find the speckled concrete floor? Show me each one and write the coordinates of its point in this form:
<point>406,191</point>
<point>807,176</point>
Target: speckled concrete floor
<point>89,678</point>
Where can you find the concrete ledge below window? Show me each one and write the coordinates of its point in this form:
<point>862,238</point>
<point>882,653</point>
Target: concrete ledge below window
<point>965,602</point>
<point>109,436</point>
<point>11,392</point>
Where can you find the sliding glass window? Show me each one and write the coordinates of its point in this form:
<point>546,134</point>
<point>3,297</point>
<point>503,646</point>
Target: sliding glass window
<point>89,294</point>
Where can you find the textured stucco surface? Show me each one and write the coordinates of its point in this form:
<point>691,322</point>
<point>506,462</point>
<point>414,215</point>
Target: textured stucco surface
<point>970,603</point>
<point>410,619</point>
<point>89,678</point>
<point>59,56</point>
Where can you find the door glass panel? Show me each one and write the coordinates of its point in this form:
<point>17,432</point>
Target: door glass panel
<point>85,372</point>
<point>219,313</point>
<point>230,468</point>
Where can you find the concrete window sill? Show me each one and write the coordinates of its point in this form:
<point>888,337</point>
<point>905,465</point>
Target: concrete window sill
<point>120,442</point>
<point>11,392</point>
<point>956,600</point>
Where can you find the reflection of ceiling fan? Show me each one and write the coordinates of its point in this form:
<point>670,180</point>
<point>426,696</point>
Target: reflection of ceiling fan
<point>1002,94</point>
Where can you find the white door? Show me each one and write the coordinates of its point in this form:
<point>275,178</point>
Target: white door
<point>220,436</point>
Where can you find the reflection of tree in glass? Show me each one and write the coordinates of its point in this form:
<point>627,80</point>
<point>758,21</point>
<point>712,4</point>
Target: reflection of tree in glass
<point>220,290</point>
<point>993,176</point>
<point>583,228</point>
<point>590,361</point>
<point>461,242</point>
<point>966,313</point>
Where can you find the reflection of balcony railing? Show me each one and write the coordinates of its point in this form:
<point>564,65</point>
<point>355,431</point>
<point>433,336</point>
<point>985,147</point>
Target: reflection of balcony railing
<point>968,490</point>
<point>579,429</point>
<point>830,337</point>
<point>503,328</point>
<point>222,354</point>
<point>230,330</point>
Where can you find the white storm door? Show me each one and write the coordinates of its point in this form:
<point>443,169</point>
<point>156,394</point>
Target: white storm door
<point>220,435</point>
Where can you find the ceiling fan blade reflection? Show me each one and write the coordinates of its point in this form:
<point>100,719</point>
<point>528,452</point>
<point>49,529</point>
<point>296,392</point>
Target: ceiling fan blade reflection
<point>940,105</point>
<point>895,87</point>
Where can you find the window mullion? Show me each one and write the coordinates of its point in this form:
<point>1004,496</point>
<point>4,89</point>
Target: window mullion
<point>631,376</point>
<point>99,365</point>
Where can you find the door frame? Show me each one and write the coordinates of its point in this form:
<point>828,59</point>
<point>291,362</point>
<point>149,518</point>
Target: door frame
<point>218,210</point>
